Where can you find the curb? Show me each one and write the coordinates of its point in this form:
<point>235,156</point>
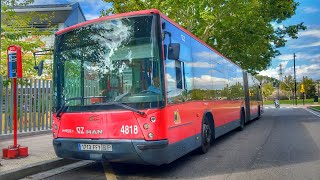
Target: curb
<point>35,168</point>
<point>310,107</point>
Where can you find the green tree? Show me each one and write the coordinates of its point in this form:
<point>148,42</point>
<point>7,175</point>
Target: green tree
<point>267,90</point>
<point>287,86</point>
<point>241,30</point>
<point>21,30</point>
<point>309,87</point>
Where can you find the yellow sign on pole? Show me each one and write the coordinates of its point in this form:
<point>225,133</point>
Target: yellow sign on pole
<point>302,88</point>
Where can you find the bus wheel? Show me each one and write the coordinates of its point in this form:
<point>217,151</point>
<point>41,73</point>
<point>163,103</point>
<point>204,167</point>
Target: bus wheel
<point>242,121</point>
<point>206,136</point>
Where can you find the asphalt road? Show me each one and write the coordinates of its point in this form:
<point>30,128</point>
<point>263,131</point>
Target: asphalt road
<point>283,144</point>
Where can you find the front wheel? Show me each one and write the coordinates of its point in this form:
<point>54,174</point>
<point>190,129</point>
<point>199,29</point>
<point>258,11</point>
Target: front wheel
<point>206,136</point>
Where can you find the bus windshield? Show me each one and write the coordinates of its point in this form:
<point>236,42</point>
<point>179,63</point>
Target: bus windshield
<point>111,61</point>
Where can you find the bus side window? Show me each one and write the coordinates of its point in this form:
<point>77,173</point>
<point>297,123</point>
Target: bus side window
<point>178,74</point>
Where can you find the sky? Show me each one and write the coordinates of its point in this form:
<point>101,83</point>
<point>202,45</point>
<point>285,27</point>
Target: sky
<point>306,47</point>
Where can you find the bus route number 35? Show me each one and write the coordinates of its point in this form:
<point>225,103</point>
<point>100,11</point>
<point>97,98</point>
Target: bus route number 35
<point>126,129</point>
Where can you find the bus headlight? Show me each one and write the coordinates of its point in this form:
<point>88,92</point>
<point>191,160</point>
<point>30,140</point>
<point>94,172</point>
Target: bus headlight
<point>146,126</point>
<point>54,135</point>
<point>153,119</point>
<point>150,135</point>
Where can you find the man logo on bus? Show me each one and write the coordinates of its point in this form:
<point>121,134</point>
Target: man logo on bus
<point>94,118</point>
<point>80,130</point>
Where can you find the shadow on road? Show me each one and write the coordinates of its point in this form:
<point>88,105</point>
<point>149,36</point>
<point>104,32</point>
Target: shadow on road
<point>278,138</point>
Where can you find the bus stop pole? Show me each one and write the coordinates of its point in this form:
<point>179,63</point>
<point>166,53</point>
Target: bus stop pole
<point>15,112</point>
<point>14,59</point>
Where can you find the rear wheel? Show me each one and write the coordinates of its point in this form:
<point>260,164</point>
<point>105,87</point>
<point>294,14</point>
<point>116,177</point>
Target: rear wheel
<point>242,121</point>
<point>259,112</point>
<point>206,136</point>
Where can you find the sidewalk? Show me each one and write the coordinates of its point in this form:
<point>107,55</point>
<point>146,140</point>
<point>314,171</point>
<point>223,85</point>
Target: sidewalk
<point>41,153</point>
<point>40,149</point>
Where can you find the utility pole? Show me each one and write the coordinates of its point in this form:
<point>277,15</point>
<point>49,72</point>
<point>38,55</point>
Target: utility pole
<point>318,83</point>
<point>295,79</point>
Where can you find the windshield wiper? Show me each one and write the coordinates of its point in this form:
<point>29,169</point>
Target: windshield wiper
<point>63,108</point>
<point>122,105</point>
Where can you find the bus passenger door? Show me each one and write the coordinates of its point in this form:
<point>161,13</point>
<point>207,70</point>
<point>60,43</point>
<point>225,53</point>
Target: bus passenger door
<point>247,97</point>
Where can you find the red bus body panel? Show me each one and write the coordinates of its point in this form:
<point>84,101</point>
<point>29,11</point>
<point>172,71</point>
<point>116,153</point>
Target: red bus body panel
<point>90,124</point>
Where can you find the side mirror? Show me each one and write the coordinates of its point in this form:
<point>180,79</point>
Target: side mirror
<point>39,68</point>
<point>174,51</point>
<point>165,51</point>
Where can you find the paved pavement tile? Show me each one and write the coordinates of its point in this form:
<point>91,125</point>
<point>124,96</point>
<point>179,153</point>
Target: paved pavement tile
<point>40,149</point>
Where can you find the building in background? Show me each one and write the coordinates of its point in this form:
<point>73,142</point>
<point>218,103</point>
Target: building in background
<point>59,15</point>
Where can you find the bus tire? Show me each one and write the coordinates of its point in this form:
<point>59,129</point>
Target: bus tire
<point>259,112</point>
<point>242,120</point>
<point>206,136</point>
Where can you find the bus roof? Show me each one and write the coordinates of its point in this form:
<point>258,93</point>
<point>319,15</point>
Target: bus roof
<point>134,13</point>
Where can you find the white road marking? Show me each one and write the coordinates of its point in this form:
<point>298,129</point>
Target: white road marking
<point>108,171</point>
<point>313,112</point>
<point>283,107</point>
<point>58,170</point>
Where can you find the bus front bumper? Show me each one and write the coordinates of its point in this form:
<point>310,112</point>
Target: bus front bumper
<point>127,151</point>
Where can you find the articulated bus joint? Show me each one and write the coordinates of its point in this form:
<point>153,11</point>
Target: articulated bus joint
<point>153,144</point>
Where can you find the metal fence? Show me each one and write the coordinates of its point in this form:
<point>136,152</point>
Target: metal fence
<point>34,98</point>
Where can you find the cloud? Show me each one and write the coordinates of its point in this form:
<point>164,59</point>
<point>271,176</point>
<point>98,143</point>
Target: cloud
<point>284,64</point>
<point>276,25</point>
<point>206,56</point>
<point>192,64</point>
<point>309,10</point>
<point>311,33</point>
<point>285,57</point>
<point>308,38</point>
<point>200,64</point>
<point>302,70</point>
<point>91,9</point>
<point>315,44</point>
<point>40,2</point>
<point>91,16</point>
<point>207,82</point>
<point>305,70</point>
<point>95,6</point>
<point>272,72</point>
<point>299,56</point>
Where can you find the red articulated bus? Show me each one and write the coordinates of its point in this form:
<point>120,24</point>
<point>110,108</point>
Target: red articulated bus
<point>138,88</point>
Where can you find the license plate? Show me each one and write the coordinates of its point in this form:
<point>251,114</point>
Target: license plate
<point>95,147</point>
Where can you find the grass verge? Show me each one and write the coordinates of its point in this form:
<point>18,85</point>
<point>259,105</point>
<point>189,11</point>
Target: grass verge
<point>299,101</point>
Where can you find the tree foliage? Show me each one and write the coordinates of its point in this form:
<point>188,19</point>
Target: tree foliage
<point>287,86</point>
<point>309,86</point>
<point>20,30</point>
<point>267,90</point>
<point>241,30</point>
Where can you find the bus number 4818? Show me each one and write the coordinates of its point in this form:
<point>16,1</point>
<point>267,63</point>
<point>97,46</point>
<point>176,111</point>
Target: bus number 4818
<point>126,129</point>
